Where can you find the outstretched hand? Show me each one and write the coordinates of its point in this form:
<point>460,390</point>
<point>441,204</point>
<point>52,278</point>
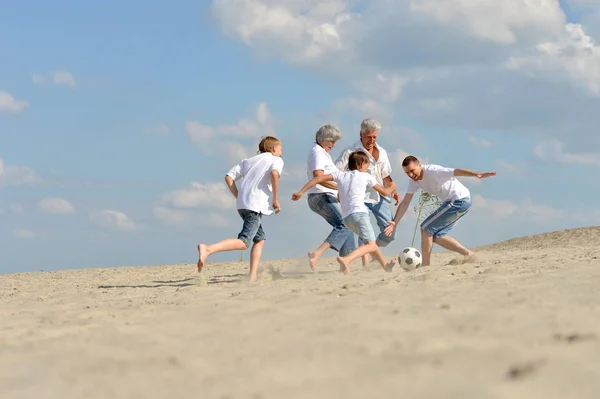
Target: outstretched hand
<point>296,196</point>
<point>389,230</point>
<point>484,175</point>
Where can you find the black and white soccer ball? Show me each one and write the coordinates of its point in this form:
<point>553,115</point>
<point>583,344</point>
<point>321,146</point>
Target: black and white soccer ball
<point>410,258</point>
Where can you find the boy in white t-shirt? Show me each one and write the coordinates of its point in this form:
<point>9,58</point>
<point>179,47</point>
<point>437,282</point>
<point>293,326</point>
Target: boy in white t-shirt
<point>352,188</point>
<point>456,202</point>
<point>258,191</point>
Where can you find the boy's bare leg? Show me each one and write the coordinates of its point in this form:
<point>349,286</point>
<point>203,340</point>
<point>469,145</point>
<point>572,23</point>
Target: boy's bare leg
<point>365,259</point>
<point>314,256</point>
<point>228,244</point>
<point>426,247</point>
<point>363,250</point>
<point>255,254</point>
<point>378,255</point>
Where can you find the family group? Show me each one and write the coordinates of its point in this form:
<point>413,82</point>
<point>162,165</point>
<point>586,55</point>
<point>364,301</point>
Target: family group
<point>345,193</point>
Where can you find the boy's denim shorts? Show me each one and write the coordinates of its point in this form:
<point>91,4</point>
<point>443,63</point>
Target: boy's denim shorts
<point>360,224</point>
<point>440,222</point>
<point>252,229</point>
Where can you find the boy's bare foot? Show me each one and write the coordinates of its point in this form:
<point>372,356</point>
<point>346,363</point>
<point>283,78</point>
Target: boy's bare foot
<point>312,260</point>
<point>202,255</point>
<point>344,267</point>
<point>253,279</point>
<point>390,265</point>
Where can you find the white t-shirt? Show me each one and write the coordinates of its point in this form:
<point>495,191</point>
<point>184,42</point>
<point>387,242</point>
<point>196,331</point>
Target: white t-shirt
<point>319,159</point>
<point>255,190</point>
<point>441,182</point>
<point>379,169</point>
<point>352,187</point>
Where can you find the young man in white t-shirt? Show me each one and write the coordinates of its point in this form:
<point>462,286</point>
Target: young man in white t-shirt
<point>456,202</point>
<point>352,187</point>
<point>257,195</point>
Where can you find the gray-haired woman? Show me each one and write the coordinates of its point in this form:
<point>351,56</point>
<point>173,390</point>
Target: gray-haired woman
<point>322,198</point>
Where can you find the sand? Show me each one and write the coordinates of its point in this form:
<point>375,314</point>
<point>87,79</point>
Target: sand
<point>523,322</point>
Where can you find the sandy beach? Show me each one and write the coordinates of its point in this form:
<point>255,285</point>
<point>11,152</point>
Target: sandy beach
<point>522,322</point>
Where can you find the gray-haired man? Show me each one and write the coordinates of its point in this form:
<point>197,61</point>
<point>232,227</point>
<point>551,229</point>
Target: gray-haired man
<point>381,169</point>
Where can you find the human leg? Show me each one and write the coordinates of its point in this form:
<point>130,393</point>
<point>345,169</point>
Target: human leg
<point>437,225</point>
<point>361,225</point>
<point>249,229</point>
<point>255,254</point>
<point>383,215</point>
<point>426,247</point>
<point>340,238</point>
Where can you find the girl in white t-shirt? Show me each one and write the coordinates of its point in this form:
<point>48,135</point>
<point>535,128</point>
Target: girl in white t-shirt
<point>352,187</point>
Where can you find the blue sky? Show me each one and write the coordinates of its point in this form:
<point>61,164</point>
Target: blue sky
<point>119,120</point>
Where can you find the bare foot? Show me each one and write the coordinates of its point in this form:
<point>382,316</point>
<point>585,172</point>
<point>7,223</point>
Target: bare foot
<point>312,260</point>
<point>202,255</point>
<point>471,258</point>
<point>343,265</point>
<point>390,265</point>
<point>253,279</point>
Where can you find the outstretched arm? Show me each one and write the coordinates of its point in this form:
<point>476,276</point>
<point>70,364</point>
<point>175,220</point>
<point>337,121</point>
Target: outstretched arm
<point>387,190</point>
<point>330,185</point>
<point>470,173</point>
<point>311,183</point>
<point>231,185</point>
<point>275,185</point>
<point>399,214</point>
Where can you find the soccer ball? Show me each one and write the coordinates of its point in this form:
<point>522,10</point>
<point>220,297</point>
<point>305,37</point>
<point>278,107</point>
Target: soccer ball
<point>410,258</point>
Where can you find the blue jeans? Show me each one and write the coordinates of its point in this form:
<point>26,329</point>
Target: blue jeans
<point>327,206</point>
<point>383,214</point>
<point>440,222</point>
<point>252,229</point>
<point>360,223</point>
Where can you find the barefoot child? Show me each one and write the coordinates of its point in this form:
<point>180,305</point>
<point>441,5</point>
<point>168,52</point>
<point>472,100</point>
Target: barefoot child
<point>456,202</point>
<point>258,190</point>
<point>352,187</point>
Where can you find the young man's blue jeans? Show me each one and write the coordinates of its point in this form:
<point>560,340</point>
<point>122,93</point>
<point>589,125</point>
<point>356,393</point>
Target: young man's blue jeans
<point>327,206</point>
<point>383,214</point>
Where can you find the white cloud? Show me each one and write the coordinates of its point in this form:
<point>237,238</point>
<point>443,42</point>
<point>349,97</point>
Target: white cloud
<point>24,234</point>
<point>420,73</point>
<point>159,130</point>
<point>525,211</point>
<point>261,124</point>
<point>1,166</point>
<point>56,78</point>
<point>509,167</point>
<point>184,217</point>
<point>479,142</point>
<point>56,205</point>
<point>112,219</point>
<point>574,53</point>
<point>11,105</point>
<point>553,151</point>
<point>18,176</point>
<point>499,22</point>
<point>198,132</point>
<point>215,195</point>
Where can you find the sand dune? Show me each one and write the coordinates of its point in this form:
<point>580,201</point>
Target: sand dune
<point>523,322</point>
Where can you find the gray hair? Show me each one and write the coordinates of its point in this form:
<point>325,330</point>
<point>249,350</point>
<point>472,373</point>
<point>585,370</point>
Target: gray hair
<point>328,133</point>
<point>369,125</point>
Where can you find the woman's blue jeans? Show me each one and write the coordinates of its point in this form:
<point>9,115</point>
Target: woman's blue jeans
<point>327,206</point>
